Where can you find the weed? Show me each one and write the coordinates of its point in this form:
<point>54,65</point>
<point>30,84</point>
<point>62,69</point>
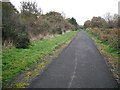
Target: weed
<point>21,85</point>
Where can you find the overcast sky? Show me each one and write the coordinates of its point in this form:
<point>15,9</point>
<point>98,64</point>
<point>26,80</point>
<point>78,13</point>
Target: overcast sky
<point>81,10</point>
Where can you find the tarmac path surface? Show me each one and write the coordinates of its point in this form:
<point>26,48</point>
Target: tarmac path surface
<point>79,65</point>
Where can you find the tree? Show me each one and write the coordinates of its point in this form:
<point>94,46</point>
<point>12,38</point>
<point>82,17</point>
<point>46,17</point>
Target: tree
<point>73,22</point>
<point>13,27</point>
<point>119,21</point>
<point>87,24</point>
<point>30,23</point>
<point>116,21</point>
<point>30,9</point>
<point>8,12</point>
<point>98,22</point>
<point>109,20</point>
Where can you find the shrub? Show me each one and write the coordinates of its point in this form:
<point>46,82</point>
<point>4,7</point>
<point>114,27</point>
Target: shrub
<point>113,41</point>
<point>114,38</point>
<point>22,41</point>
<point>59,31</point>
<point>104,37</point>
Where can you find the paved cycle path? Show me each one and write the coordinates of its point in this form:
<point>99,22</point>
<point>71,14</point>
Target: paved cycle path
<point>79,65</point>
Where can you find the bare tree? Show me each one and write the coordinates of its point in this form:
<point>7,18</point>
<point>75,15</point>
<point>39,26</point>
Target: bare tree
<point>109,20</point>
<point>30,8</point>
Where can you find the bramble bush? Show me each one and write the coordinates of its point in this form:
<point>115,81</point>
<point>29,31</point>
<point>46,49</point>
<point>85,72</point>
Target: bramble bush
<point>112,36</point>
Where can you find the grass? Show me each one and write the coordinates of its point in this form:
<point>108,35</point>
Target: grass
<point>105,45</point>
<point>17,60</point>
<point>111,53</point>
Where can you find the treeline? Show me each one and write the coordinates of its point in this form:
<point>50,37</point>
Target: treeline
<point>106,29</point>
<point>19,28</point>
<point>109,21</point>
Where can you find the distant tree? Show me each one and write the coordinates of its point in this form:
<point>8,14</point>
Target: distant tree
<point>73,22</point>
<point>109,20</point>
<point>98,22</point>
<point>118,21</point>
<point>58,24</point>
<point>87,24</point>
<point>82,27</point>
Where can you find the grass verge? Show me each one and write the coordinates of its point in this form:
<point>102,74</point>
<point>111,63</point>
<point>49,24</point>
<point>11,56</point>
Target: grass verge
<point>111,55</point>
<point>15,61</point>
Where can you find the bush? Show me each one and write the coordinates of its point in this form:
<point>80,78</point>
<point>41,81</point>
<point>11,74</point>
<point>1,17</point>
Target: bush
<point>104,37</point>
<point>113,41</point>
<point>59,31</point>
<point>31,21</point>
<point>112,36</point>
<point>22,41</point>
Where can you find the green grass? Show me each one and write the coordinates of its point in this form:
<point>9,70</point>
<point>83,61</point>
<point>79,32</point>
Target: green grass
<point>15,60</point>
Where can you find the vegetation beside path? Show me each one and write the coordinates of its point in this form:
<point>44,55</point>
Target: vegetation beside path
<point>108,45</point>
<point>17,60</point>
